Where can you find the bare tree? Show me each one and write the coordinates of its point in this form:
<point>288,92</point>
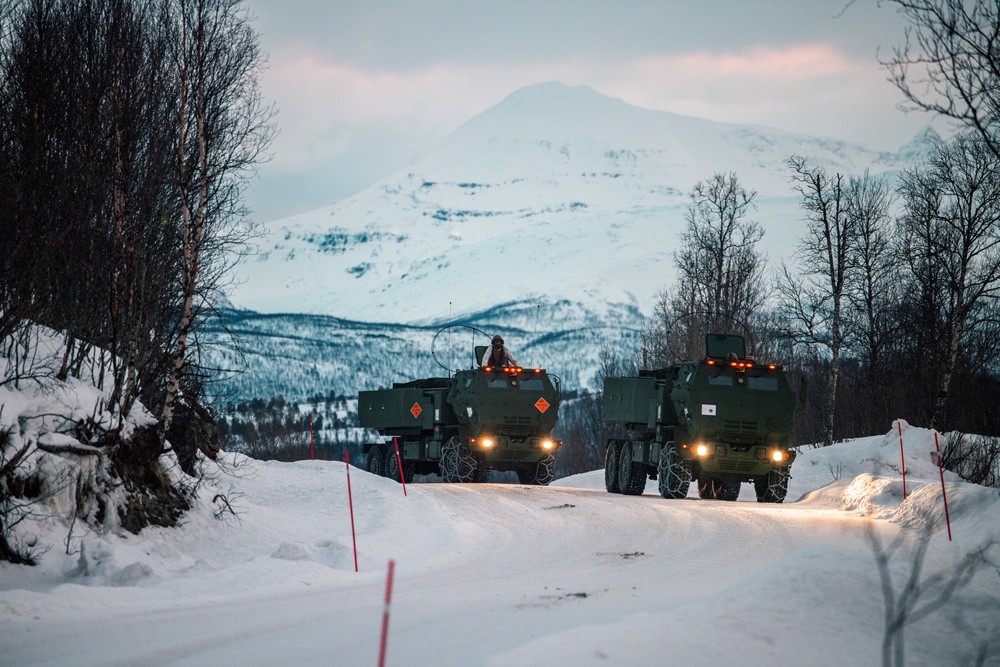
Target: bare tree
<point>223,129</point>
<point>813,306</point>
<point>873,292</point>
<point>952,223</point>
<point>950,64</point>
<point>720,268</point>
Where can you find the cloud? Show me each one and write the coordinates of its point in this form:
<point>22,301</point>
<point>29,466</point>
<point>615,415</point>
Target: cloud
<point>316,96</point>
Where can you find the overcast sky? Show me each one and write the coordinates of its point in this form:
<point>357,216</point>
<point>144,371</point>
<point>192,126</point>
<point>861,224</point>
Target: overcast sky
<point>361,86</point>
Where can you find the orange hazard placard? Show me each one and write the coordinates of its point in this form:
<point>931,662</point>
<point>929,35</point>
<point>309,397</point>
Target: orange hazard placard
<point>415,410</point>
<point>542,405</point>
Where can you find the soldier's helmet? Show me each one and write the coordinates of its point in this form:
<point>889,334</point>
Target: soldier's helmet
<point>498,340</point>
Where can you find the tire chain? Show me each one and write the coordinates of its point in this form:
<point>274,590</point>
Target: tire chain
<point>454,465</point>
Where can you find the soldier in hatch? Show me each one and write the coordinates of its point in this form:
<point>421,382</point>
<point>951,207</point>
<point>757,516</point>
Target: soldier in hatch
<point>498,355</point>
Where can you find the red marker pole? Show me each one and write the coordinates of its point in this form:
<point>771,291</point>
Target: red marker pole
<point>385,615</point>
<point>944,494</point>
<point>350,501</point>
<point>902,457</point>
<point>312,448</point>
<point>399,462</point>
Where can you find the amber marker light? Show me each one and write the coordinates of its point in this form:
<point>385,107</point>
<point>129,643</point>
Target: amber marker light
<point>772,367</point>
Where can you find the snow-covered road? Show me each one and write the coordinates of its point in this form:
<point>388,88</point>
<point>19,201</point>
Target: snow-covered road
<point>496,574</point>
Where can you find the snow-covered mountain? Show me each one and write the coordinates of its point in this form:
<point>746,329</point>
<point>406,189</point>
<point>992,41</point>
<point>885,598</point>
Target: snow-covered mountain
<point>551,218</point>
<point>555,194</point>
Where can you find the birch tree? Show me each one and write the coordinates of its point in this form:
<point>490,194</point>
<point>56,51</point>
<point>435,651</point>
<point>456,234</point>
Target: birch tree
<point>223,130</point>
<point>813,305</point>
<point>951,220</point>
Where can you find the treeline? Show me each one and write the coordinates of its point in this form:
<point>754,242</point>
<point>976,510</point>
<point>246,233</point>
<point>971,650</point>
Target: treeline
<point>891,307</point>
<point>324,428</point>
<point>128,130</point>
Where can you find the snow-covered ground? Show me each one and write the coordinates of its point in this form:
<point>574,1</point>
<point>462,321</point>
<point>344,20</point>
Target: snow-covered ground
<point>499,574</point>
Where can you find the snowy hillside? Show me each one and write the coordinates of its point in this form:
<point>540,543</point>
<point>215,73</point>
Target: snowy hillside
<point>302,355</point>
<point>492,574</point>
<point>555,194</point>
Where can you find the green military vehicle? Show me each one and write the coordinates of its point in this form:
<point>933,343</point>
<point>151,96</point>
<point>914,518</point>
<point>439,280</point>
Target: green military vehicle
<point>464,426</point>
<point>721,421</point>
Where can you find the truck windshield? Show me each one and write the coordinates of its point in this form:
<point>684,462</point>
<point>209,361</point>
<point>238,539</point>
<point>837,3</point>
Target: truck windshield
<point>763,384</point>
<point>721,380</point>
<point>532,384</point>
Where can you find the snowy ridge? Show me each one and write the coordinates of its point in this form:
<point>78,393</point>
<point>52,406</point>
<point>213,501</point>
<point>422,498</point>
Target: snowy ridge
<point>556,194</point>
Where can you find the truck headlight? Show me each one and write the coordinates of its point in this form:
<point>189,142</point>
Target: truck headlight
<point>548,444</point>
<point>778,456</point>
<point>701,450</point>
<point>486,443</point>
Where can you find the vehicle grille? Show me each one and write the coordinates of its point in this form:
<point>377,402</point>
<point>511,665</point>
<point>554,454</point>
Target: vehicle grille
<point>517,421</point>
<point>736,465</point>
<point>739,431</point>
<point>511,455</point>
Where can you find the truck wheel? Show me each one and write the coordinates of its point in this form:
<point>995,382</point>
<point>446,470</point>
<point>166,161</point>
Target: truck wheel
<point>631,476</point>
<point>611,454</point>
<point>713,489</point>
<point>376,460</point>
<point>538,474</point>
<point>456,465</point>
<point>673,474</point>
<point>482,473</point>
<point>392,465</point>
<point>774,487</point>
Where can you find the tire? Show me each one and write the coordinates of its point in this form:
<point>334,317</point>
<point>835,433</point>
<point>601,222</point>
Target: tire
<point>482,474</point>
<point>730,492</point>
<point>774,487</point>
<point>392,465</point>
<point>631,476</point>
<point>456,465</point>
<point>611,454</point>
<point>537,474</point>
<point>714,489</point>
<point>673,474</point>
<point>376,460</point>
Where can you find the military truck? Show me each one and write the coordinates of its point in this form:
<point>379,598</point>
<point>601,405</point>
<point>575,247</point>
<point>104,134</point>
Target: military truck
<point>720,421</point>
<point>465,425</point>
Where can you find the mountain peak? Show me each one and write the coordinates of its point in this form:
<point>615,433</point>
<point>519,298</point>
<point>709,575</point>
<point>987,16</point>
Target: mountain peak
<point>557,193</point>
<point>917,148</point>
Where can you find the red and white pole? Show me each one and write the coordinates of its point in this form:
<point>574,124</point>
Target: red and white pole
<point>312,448</point>
<point>902,457</point>
<point>385,615</point>
<point>399,462</point>
<point>944,493</point>
<point>350,501</point>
